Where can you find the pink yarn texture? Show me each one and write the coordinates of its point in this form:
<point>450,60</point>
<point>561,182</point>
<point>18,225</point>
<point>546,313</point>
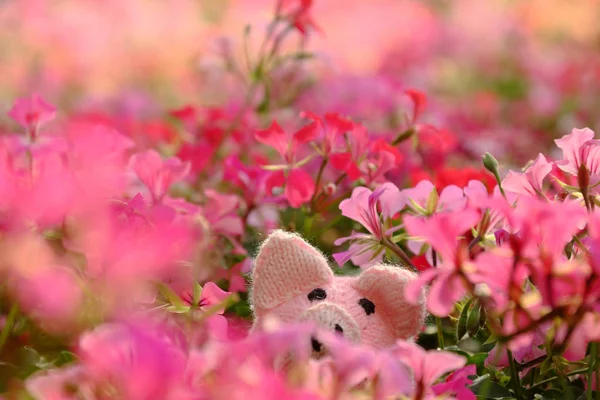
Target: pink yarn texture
<point>293,282</point>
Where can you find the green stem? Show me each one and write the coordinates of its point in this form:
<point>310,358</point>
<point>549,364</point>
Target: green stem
<point>12,315</point>
<point>440,332</point>
<point>572,373</point>
<point>403,136</point>
<point>317,183</point>
<point>514,374</point>
<point>475,241</point>
<point>399,252</point>
<point>592,365</point>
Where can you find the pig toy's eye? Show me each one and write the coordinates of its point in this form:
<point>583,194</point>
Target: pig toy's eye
<point>317,294</point>
<point>367,305</point>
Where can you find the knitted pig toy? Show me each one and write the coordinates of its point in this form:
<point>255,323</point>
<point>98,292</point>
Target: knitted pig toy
<point>292,281</point>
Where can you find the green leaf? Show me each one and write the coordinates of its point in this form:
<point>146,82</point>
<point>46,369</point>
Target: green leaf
<point>432,201</point>
<point>65,357</point>
<point>177,310</point>
<point>417,207</point>
<point>469,345</point>
<point>477,358</point>
<point>552,394</point>
<point>457,350</point>
<point>484,388</point>
<point>568,188</point>
<point>197,294</point>
<point>275,167</point>
<point>461,326</point>
<point>177,304</point>
<point>474,319</point>
<point>572,393</point>
<point>546,366</point>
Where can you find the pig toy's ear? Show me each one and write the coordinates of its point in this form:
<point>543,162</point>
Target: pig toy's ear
<point>384,286</point>
<point>285,267</point>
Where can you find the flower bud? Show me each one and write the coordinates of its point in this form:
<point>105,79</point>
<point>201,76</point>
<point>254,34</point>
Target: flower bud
<point>330,189</point>
<point>583,178</point>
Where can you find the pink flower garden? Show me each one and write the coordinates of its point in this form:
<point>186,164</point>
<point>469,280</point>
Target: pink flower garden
<point>455,140</point>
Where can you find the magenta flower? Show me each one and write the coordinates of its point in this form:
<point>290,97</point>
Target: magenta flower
<point>31,113</point>
<point>530,182</point>
<point>456,383</point>
<point>158,174</point>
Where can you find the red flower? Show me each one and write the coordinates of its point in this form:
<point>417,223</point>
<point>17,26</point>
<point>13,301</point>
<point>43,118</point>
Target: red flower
<point>419,101</point>
<point>299,185</point>
<point>300,16</point>
<point>461,177</point>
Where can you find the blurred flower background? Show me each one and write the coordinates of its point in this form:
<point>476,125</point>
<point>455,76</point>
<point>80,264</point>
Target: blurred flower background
<point>508,74</point>
<point>147,147</point>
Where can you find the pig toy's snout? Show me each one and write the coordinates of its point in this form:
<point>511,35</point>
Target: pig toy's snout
<point>333,318</point>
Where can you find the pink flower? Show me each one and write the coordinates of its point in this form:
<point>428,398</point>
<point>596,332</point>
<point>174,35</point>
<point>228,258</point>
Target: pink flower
<point>57,384</point>
<point>579,148</point>
<point>158,174</point>
<point>529,183</point>
<point>351,364</point>
<point>139,364</point>
<point>51,294</point>
<point>370,209</point>
<point>495,269</point>
<point>235,275</point>
<point>451,198</point>
<point>478,199</point>
<point>221,211</point>
<point>211,295</point>
<point>498,357</point>
<point>441,232</point>
<point>543,226</point>
<point>31,113</point>
<point>427,366</point>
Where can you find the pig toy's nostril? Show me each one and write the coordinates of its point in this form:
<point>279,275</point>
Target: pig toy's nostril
<point>316,345</point>
<point>338,328</point>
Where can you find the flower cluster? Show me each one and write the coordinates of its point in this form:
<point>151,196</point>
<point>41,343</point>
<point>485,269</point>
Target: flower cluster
<point>127,239</point>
